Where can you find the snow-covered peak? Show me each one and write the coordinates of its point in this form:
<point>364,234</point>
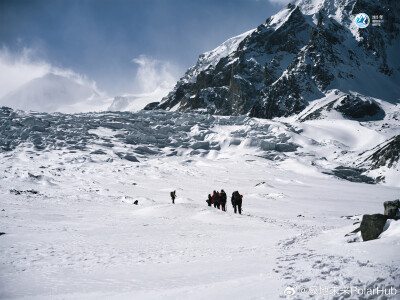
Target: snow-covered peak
<point>211,58</point>
<point>226,48</point>
<point>280,17</point>
<point>309,7</point>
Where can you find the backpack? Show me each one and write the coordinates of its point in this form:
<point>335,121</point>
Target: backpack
<point>223,198</point>
<point>236,196</point>
<point>172,195</point>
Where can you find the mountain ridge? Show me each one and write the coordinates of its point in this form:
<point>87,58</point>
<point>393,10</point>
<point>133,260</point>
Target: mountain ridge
<point>299,55</point>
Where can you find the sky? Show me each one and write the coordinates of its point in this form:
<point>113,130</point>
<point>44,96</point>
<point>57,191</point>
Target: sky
<point>122,46</point>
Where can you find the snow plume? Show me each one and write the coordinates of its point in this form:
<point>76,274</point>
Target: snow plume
<point>18,69</point>
<point>153,74</point>
<point>29,83</point>
<point>154,79</point>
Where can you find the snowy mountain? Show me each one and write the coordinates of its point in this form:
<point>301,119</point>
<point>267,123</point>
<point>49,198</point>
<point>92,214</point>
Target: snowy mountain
<point>51,93</point>
<point>300,55</point>
<point>311,139</point>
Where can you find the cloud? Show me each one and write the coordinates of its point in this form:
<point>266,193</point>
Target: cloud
<point>18,68</point>
<point>153,74</point>
<point>154,79</point>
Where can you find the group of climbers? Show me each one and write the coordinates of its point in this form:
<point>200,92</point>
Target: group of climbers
<point>218,199</point>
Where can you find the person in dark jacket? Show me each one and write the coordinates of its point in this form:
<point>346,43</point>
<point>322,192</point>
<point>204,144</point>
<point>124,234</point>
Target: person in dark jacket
<point>222,200</point>
<point>173,196</point>
<point>237,201</point>
<point>217,200</point>
<point>209,200</point>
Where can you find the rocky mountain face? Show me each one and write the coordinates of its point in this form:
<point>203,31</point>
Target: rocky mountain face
<point>387,154</point>
<point>298,55</point>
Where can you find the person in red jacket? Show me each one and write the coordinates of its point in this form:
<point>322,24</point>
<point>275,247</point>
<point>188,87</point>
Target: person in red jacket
<point>213,199</point>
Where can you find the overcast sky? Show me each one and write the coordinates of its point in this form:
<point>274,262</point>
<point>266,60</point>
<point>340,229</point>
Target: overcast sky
<point>109,41</point>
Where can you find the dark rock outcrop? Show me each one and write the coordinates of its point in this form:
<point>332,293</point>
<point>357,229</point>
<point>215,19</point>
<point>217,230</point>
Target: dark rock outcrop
<point>386,154</point>
<point>391,208</point>
<point>350,106</point>
<point>151,106</point>
<point>351,174</point>
<point>355,108</point>
<point>372,226</point>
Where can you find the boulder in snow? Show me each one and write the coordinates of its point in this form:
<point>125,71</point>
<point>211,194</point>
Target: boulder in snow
<point>372,226</point>
<point>392,208</point>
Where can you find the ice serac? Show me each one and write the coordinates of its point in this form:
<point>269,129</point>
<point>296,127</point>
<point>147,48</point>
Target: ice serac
<point>302,53</point>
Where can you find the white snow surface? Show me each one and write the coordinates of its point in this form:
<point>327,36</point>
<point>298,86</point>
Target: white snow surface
<point>81,236</point>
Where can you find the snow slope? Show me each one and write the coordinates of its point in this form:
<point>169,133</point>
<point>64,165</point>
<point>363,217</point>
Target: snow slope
<point>81,236</point>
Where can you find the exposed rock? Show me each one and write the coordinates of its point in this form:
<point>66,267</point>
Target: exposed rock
<point>356,108</point>
<point>18,192</point>
<point>392,208</point>
<point>386,154</point>
<point>151,106</point>
<point>351,174</point>
<point>351,107</point>
<point>372,226</point>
